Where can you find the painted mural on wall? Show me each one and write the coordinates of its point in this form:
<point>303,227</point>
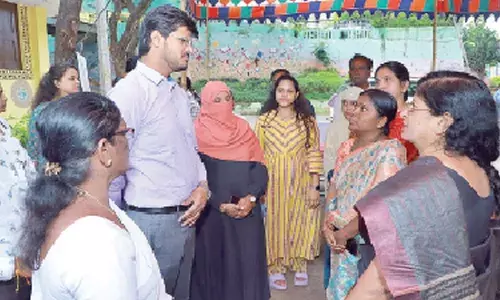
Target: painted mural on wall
<point>257,50</point>
<point>248,53</point>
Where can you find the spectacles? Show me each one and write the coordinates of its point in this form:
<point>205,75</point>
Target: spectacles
<point>127,132</point>
<point>186,42</point>
<point>412,108</point>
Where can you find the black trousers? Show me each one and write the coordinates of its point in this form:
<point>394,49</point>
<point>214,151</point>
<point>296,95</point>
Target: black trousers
<point>8,290</point>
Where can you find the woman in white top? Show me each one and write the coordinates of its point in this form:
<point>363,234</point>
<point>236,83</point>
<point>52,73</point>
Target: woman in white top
<point>78,244</point>
<point>15,170</point>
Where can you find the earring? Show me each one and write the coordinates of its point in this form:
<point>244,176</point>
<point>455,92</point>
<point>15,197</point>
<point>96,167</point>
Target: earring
<point>108,163</point>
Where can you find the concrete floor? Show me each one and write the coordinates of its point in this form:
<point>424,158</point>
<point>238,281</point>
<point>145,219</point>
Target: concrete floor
<point>314,291</point>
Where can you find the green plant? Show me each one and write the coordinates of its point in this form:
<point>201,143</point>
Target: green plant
<point>320,84</point>
<point>321,54</point>
<point>316,84</point>
<point>495,82</point>
<point>481,47</point>
<point>20,129</point>
<point>299,26</point>
<point>198,85</point>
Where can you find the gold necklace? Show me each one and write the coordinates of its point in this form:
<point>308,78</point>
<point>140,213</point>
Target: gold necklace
<point>83,193</point>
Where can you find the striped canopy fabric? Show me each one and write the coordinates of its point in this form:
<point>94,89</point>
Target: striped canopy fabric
<point>238,10</point>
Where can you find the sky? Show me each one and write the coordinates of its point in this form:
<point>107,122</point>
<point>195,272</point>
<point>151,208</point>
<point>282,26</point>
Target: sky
<point>493,24</point>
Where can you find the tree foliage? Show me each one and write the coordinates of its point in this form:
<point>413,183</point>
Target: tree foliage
<point>321,54</point>
<point>125,47</point>
<point>481,47</point>
<point>393,20</point>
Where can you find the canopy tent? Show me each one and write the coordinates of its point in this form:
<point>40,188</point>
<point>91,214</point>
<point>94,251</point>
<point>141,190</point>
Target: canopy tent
<point>272,10</point>
<point>262,10</point>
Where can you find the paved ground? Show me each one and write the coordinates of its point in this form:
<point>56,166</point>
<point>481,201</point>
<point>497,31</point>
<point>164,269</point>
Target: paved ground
<point>314,291</point>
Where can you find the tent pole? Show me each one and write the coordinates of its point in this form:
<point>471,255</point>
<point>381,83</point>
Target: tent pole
<point>207,57</point>
<point>434,36</point>
<point>183,6</point>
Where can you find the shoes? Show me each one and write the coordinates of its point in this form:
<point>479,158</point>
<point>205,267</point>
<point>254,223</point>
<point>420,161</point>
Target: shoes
<point>273,282</point>
<point>301,279</point>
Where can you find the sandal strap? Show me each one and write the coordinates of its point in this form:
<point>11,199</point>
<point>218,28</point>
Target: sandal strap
<point>278,276</point>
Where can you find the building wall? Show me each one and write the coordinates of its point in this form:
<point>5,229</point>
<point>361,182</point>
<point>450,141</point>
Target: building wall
<point>20,86</point>
<point>254,51</point>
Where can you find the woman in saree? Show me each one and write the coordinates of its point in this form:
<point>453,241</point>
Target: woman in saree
<point>431,214</point>
<point>394,78</point>
<point>337,133</point>
<point>362,163</point>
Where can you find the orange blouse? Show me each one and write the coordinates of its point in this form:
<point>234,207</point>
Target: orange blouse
<point>395,130</point>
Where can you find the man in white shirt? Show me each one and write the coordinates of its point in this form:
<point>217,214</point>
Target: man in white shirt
<point>165,187</point>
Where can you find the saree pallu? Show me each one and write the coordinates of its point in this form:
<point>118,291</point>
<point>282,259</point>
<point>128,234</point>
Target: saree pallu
<point>416,222</point>
<point>357,172</point>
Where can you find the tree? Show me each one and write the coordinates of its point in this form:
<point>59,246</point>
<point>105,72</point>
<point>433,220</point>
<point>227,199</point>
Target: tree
<point>125,46</point>
<point>321,54</point>
<point>481,47</point>
<point>67,24</point>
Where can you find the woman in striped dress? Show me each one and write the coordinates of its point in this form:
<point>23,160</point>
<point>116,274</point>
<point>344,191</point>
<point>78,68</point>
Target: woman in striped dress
<point>289,136</point>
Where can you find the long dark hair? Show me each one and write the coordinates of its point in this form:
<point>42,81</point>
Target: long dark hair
<point>399,70</point>
<point>302,111</point>
<point>474,132</point>
<point>69,131</point>
<point>385,104</point>
<point>47,89</point>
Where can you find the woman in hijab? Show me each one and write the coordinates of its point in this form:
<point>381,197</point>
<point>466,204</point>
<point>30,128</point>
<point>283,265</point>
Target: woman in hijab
<point>230,260</point>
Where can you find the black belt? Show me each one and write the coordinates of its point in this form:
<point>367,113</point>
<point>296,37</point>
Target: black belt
<point>159,210</point>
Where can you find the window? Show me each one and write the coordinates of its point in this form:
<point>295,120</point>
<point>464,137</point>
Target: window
<point>312,34</point>
<point>10,57</point>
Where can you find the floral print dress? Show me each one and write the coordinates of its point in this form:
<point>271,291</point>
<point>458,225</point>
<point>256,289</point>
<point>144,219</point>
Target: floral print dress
<point>16,169</point>
<point>357,173</point>
<point>33,145</point>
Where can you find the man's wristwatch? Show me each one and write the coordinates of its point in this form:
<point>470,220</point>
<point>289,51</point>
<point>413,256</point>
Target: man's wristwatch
<point>253,199</point>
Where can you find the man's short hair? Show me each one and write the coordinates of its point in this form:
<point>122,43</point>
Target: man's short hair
<point>165,19</point>
<point>131,63</point>
<point>356,56</point>
<point>277,71</point>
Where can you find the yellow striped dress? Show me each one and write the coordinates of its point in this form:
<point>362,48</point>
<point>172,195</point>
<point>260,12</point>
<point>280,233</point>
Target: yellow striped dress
<point>292,229</point>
